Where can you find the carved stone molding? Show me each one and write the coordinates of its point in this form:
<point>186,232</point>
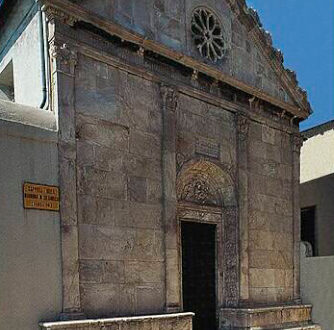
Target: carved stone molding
<point>66,57</point>
<point>169,97</point>
<point>242,127</point>
<point>53,13</point>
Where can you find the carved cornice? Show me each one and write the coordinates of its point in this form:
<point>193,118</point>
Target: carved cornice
<point>53,13</point>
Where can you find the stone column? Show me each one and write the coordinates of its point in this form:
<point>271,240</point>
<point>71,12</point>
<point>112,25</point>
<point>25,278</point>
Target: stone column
<point>63,59</point>
<point>173,281</point>
<point>297,142</point>
<point>242,160</point>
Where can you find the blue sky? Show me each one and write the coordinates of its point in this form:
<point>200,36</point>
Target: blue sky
<point>304,31</point>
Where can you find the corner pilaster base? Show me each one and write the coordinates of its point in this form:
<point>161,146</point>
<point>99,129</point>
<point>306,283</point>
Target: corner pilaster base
<point>276,317</point>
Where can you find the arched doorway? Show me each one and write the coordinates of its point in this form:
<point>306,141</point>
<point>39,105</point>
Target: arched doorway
<point>207,221</point>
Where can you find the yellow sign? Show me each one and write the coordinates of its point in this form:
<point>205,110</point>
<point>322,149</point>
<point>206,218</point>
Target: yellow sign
<point>40,197</point>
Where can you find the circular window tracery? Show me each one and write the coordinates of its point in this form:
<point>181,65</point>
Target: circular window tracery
<point>207,34</point>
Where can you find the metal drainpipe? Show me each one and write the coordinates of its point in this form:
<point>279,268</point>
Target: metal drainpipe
<point>44,59</point>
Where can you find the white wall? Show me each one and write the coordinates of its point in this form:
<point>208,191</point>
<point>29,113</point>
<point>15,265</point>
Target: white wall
<point>317,287</point>
<point>317,156</point>
<point>26,58</point>
<point>30,256</point>
<point>320,193</point>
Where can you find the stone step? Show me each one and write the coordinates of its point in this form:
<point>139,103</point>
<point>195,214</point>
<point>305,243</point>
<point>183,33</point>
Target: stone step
<point>304,327</point>
<point>270,317</point>
<point>292,327</point>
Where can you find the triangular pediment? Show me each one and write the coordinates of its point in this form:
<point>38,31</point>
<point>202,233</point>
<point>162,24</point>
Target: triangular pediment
<point>249,55</point>
<point>247,59</point>
<point>268,62</point>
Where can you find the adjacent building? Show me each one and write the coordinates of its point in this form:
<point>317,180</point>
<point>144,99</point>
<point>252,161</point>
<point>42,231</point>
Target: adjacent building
<point>171,129</point>
<point>317,188</point>
<point>317,221</point>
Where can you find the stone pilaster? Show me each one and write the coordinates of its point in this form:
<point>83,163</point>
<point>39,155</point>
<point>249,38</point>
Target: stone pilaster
<point>173,285</point>
<point>297,142</point>
<point>242,149</point>
<point>231,277</point>
<point>63,59</point>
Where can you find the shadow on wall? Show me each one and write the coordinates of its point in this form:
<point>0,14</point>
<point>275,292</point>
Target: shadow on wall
<point>317,218</point>
<point>317,287</point>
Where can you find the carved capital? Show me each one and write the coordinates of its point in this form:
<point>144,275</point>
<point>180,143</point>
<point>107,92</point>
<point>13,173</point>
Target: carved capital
<point>53,13</point>
<point>297,142</point>
<point>242,127</point>
<point>169,97</point>
<point>194,76</point>
<point>65,57</point>
<point>141,51</point>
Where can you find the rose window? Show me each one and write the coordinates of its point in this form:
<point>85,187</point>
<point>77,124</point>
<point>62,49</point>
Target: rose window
<point>207,34</point>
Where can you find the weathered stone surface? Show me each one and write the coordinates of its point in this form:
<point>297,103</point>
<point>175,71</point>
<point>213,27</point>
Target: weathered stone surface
<point>127,243</point>
<point>103,211</point>
<point>271,259</point>
<point>144,144</point>
<point>149,298</point>
<point>103,133</point>
<point>137,189</point>
<point>268,134</point>
<point>268,240</point>
<point>139,272</point>
<point>271,278</point>
<point>102,271</point>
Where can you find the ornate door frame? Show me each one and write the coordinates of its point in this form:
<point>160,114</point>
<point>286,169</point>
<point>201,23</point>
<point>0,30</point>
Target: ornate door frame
<point>187,212</point>
<point>206,193</point>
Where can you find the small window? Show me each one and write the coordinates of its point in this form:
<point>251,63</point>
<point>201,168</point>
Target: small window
<point>308,228</point>
<point>7,83</point>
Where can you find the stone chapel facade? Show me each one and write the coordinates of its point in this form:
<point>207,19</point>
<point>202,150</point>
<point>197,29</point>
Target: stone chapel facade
<point>178,165</point>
